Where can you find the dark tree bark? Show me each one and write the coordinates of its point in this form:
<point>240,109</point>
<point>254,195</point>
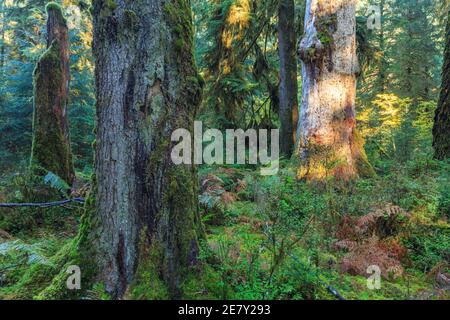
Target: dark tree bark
<point>441,130</point>
<point>3,31</point>
<point>51,140</point>
<point>327,142</point>
<point>383,65</point>
<point>288,100</point>
<point>147,87</point>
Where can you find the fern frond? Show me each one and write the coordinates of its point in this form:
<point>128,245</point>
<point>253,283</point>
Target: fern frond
<point>56,182</point>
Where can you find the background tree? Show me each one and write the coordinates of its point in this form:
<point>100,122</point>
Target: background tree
<point>239,58</point>
<point>288,112</point>
<point>394,85</point>
<point>441,130</point>
<point>415,42</point>
<point>51,142</point>
<point>327,139</point>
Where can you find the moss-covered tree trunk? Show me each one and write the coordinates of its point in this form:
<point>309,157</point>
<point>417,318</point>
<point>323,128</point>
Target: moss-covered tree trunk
<point>288,111</point>
<point>327,141</point>
<point>441,130</point>
<point>147,87</point>
<point>51,141</point>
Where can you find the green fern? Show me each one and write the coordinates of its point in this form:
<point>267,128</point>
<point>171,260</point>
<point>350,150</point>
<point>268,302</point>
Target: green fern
<point>56,182</point>
<point>14,250</point>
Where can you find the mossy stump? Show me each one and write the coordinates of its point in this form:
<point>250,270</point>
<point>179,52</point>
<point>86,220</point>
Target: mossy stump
<point>51,140</point>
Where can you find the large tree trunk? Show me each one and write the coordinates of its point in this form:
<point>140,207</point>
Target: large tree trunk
<point>147,86</point>
<point>441,136</point>
<point>51,142</point>
<point>288,76</point>
<point>327,139</point>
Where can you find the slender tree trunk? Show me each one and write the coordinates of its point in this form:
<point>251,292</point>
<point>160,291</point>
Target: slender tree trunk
<point>2,52</point>
<point>410,60</point>
<point>327,140</point>
<point>382,71</point>
<point>288,99</point>
<point>3,30</point>
<point>441,136</point>
<point>147,86</point>
<point>51,140</point>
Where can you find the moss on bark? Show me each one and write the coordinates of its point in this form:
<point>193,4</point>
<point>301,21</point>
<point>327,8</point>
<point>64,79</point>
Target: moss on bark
<point>48,282</point>
<point>51,146</point>
<point>143,241</point>
<point>328,143</point>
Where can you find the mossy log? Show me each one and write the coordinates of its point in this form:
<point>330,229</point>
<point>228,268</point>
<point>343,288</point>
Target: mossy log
<point>51,139</point>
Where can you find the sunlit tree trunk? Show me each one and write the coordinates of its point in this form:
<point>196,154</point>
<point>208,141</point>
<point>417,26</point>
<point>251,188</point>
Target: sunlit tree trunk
<point>51,140</point>
<point>288,100</point>
<point>147,86</point>
<point>441,130</point>
<point>327,142</point>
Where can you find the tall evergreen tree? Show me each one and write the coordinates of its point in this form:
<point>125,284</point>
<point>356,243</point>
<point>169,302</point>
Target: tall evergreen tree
<point>441,130</point>
<point>414,51</point>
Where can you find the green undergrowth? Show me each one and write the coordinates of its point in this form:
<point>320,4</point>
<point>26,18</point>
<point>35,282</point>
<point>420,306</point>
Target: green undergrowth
<point>29,188</point>
<point>276,240</point>
<point>272,238</point>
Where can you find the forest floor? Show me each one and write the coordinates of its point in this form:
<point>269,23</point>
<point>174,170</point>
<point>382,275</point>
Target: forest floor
<point>277,238</point>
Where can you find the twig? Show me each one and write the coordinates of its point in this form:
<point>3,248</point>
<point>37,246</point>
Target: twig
<point>42,204</point>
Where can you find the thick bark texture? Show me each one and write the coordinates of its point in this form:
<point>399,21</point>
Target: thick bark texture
<point>51,140</point>
<point>288,111</point>
<point>441,130</point>
<point>327,140</point>
<point>147,86</point>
